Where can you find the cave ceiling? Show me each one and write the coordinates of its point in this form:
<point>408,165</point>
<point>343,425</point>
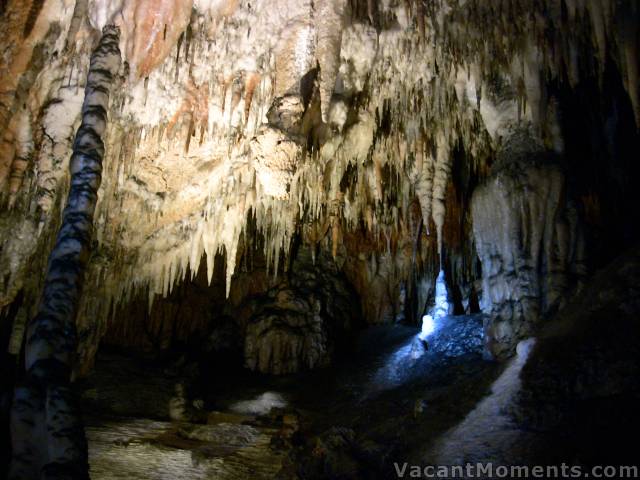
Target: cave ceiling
<point>235,120</point>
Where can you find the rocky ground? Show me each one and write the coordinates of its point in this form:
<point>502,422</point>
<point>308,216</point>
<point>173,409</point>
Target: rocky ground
<point>348,421</point>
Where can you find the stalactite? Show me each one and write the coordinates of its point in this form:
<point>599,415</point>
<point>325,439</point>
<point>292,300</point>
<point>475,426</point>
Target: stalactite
<point>188,162</point>
<point>157,26</point>
<point>58,121</point>
<point>329,38</point>
<point>48,437</point>
<point>628,41</point>
<point>237,89</point>
<point>440,179</point>
<point>424,187</point>
<point>251,82</point>
<point>293,57</point>
<point>7,152</point>
<point>103,12</point>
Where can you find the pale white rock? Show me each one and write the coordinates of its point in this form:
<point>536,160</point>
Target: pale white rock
<point>104,12</point>
<point>358,55</point>
<point>527,242</point>
<point>328,41</point>
<point>275,155</point>
<point>206,138</point>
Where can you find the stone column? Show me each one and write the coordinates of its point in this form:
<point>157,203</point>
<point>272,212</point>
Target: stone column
<point>528,240</point>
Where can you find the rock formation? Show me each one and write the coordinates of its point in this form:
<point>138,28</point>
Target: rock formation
<point>292,169</point>
<point>528,238</point>
<point>296,325</point>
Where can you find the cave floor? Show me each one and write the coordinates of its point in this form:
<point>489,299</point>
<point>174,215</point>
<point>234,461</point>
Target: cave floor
<point>387,402</point>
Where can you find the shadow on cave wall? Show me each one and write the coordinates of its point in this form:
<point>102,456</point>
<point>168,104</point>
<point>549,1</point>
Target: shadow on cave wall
<point>601,142</point>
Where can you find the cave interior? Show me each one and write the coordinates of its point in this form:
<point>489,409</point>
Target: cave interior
<point>318,239</point>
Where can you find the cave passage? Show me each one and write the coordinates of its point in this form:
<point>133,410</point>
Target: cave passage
<point>242,425</point>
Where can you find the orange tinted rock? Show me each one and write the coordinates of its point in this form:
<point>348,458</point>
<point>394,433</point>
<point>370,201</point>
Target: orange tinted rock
<point>154,29</point>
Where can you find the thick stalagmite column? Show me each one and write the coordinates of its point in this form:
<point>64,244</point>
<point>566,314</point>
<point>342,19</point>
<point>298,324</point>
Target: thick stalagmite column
<point>47,434</point>
<point>528,240</point>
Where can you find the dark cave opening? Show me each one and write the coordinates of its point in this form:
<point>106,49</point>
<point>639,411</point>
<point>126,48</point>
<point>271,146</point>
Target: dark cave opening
<point>596,127</point>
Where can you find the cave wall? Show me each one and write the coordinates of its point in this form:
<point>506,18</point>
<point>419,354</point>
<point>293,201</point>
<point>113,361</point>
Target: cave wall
<point>295,320</point>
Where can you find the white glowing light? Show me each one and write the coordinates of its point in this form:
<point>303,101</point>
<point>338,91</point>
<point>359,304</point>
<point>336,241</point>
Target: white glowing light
<point>441,307</point>
<point>428,326</point>
<point>439,310</point>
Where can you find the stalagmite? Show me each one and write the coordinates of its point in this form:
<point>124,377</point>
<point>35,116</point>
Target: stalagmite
<point>47,431</point>
<point>528,246</point>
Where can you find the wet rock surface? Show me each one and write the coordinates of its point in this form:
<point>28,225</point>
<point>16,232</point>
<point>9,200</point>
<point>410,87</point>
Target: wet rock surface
<point>126,448</point>
<point>489,433</point>
<point>458,336</point>
<point>568,396</point>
